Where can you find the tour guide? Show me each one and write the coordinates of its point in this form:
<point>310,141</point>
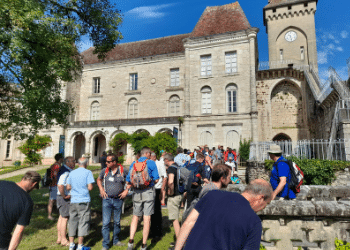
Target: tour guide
<point>280,175</point>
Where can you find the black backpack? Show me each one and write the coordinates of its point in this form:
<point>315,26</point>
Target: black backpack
<point>46,180</point>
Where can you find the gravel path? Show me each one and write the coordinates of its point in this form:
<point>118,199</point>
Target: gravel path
<point>22,171</point>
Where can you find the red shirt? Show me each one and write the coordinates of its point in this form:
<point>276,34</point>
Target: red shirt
<point>54,171</point>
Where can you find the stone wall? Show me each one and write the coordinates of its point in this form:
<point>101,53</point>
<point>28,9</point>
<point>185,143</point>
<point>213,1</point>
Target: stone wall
<point>313,221</point>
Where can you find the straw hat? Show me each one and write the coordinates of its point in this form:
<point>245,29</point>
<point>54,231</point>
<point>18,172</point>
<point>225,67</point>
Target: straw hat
<point>275,149</point>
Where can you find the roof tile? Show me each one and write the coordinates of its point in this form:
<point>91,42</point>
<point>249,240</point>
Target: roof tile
<point>221,19</point>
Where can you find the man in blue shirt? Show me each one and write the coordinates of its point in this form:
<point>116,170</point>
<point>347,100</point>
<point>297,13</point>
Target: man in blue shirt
<point>80,183</point>
<point>226,220</point>
<point>143,199</point>
<point>280,175</point>
<point>181,158</point>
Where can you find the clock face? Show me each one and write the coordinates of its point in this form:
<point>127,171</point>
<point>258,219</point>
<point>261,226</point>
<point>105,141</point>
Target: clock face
<point>290,36</point>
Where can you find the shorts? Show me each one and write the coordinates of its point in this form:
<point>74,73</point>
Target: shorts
<point>53,193</point>
<point>79,219</point>
<point>173,205</point>
<point>143,202</point>
<point>63,206</point>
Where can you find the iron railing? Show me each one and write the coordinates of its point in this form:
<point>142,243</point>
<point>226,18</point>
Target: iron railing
<point>304,149</point>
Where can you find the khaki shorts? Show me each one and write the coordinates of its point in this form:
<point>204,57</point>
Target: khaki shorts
<point>174,204</point>
<point>63,206</point>
<point>143,202</point>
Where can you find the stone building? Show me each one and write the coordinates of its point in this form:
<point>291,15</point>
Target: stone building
<point>210,77</point>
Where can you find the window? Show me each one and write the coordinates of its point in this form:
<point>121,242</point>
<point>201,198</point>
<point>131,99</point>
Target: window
<point>231,92</point>
<point>174,105</point>
<point>97,81</point>
<point>133,108</point>
<point>289,7</point>
<point>206,65</point>
<point>95,111</point>
<point>281,54</point>
<point>231,62</point>
<point>302,55</point>
<point>174,77</point>
<point>8,148</point>
<point>206,100</point>
<point>305,4</point>
<point>133,81</point>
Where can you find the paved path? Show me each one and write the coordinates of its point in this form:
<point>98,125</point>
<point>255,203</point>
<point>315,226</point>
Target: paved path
<point>22,171</point>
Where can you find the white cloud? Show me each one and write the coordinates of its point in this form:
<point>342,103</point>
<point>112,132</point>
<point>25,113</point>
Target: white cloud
<point>147,12</point>
<point>339,48</point>
<point>344,34</point>
<point>322,57</point>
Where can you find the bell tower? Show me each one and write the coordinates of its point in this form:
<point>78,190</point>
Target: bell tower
<point>290,25</point>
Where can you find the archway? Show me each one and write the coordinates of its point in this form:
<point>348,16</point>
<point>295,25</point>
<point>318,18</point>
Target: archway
<point>281,137</point>
<point>206,139</point>
<point>166,130</point>
<point>78,146</point>
<point>232,139</point>
<point>98,146</point>
<point>287,111</point>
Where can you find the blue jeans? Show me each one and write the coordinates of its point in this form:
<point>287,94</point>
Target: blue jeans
<point>109,205</point>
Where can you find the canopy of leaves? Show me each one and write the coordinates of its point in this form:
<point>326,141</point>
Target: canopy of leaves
<point>158,142</point>
<point>32,146</point>
<point>38,51</point>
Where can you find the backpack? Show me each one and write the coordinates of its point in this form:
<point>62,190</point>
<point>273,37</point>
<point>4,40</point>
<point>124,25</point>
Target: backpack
<point>231,155</point>
<point>194,173</point>
<point>183,178</point>
<point>47,180</point>
<point>140,178</point>
<point>297,176</point>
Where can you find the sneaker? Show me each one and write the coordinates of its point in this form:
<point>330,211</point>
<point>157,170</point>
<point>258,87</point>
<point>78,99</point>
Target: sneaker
<point>119,244</point>
<point>143,248</point>
<point>103,248</point>
<point>71,246</point>
<point>130,246</point>
<point>164,206</point>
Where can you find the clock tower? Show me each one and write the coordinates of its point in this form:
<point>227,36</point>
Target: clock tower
<point>290,25</point>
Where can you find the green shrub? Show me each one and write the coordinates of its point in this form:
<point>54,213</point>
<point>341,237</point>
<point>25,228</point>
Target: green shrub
<point>316,172</point>
<point>244,149</point>
<point>32,146</point>
<point>160,141</point>
<point>339,244</point>
<point>17,163</point>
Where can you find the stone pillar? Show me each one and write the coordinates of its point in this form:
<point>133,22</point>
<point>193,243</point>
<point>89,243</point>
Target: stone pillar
<point>252,33</point>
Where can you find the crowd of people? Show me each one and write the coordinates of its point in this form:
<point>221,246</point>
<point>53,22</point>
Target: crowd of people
<point>207,222</point>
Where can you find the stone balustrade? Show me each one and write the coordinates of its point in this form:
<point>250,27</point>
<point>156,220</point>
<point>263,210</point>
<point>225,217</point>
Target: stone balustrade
<point>313,221</point>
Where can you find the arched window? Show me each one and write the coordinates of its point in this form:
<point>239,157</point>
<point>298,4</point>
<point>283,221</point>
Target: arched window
<point>133,108</point>
<point>231,97</point>
<point>95,111</point>
<point>206,138</point>
<point>174,105</point>
<point>206,100</point>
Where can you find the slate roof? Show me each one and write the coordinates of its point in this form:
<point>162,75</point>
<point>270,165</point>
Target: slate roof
<point>214,20</point>
<point>276,3</point>
<point>221,19</point>
<point>158,46</point>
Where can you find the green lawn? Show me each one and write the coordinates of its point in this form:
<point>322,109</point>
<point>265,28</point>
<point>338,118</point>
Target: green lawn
<point>42,233</point>
<point>10,169</point>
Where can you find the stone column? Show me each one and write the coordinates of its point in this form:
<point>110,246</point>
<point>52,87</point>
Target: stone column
<point>254,112</point>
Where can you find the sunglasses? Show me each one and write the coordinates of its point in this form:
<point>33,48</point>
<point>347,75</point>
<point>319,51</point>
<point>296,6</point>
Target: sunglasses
<point>109,161</point>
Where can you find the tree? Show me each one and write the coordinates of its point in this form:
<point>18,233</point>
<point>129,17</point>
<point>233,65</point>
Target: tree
<point>138,140</point>
<point>38,48</point>
<point>32,146</point>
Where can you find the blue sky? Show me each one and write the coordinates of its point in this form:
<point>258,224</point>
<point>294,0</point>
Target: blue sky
<point>147,19</point>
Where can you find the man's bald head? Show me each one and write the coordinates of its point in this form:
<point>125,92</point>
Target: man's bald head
<point>258,193</point>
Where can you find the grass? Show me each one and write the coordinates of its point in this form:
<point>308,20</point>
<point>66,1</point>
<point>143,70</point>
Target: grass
<point>41,234</point>
<point>10,169</point>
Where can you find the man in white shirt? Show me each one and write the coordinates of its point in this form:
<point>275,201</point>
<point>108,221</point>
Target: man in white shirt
<point>156,218</point>
<point>232,164</point>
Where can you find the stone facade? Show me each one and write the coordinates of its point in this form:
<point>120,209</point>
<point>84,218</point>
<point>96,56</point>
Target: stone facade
<point>313,221</point>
